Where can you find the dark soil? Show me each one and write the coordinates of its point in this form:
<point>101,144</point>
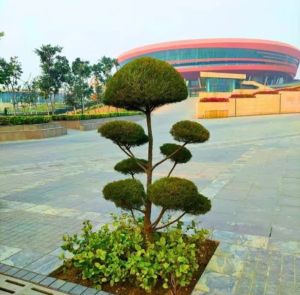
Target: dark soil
<point>73,275</point>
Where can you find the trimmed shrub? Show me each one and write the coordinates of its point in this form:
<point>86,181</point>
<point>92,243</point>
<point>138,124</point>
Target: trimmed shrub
<point>23,120</point>
<point>130,166</point>
<point>91,116</point>
<point>124,133</point>
<point>178,194</point>
<point>190,132</point>
<point>182,156</point>
<point>144,84</point>
<point>214,99</point>
<point>126,194</point>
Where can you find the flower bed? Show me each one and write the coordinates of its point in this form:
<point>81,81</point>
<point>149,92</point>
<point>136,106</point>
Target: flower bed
<point>120,262</point>
<point>289,89</point>
<point>266,92</point>
<point>214,99</point>
<point>242,95</point>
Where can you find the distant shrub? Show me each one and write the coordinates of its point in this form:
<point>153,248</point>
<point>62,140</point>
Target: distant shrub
<point>23,120</point>
<point>242,95</point>
<point>92,116</point>
<point>214,99</point>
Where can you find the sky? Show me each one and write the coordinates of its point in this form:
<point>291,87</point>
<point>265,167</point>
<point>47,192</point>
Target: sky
<point>90,29</point>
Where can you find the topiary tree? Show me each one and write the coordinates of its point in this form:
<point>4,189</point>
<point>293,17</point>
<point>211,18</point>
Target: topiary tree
<point>143,85</point>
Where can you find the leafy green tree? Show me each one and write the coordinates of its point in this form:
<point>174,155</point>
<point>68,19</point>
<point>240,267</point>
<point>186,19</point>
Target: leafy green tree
<point>30,94</point>
<point>102,71</point>
<point>78,86</point>
<point>143,85</point>
<point>10,75</point>
<point>55,71</point>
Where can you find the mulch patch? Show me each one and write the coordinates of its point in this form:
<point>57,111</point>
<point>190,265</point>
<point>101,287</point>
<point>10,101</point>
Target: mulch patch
<point>74,275</point>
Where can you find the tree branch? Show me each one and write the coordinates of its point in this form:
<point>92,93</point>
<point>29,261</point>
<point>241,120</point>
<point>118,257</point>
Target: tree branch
<point>133,216</point>
<point>168,157</point>
<point>129,153</point>
<point>171,222</point>
<point>134,157</point>
<point>175,163</point>
<point>155,223</point>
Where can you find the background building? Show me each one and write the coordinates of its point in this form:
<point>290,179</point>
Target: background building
<point>266,62</point>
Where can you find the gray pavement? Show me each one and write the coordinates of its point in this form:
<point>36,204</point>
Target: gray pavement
<point>250,168</point>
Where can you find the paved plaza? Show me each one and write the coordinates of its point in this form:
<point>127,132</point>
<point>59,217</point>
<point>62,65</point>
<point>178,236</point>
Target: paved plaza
<point>250,169</point>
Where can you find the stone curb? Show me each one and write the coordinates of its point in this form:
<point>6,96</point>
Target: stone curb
<point>48,282</point>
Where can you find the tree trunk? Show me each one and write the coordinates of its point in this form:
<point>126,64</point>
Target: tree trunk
<point>14,101</point>
<point>82,106</point>
<point>47,107</point>
<point>52,99</point>
<point>148,206</point>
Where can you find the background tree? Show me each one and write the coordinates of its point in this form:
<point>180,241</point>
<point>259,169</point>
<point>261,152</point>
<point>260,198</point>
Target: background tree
<point>102,71</point>
<point>143,85</point>
<point>30,94</point>
<point>10,75</point>
<point>55,70</point>
<point>78,86</point>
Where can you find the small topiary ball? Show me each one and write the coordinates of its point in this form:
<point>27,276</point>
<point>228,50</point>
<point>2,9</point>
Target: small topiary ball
<point>189,131</point>
<point>124,133</point>
<point>178,194</point>
<point>130,166</point>
<point>144,84</point>
<point>182,156</point>
<point>126,194</point>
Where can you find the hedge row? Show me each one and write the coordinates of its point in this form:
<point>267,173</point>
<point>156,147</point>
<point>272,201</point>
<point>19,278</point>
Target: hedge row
<point>93,116</point>
<point>22,120</point>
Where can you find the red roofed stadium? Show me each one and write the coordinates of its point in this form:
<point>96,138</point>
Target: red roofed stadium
<point>266,62</point>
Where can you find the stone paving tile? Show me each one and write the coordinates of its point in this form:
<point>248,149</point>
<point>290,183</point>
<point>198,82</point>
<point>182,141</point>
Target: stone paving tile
<point>215,283</point>
<point>45,265</point>
<point>6,252</point>
<point>22,258</point>
<point>57,284</point>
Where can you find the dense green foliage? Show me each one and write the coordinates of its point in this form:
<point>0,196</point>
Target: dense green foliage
<point>183,155</point>
<point>126,194</point>
<point>22,120</point>
<point>177,194</point>
<point>33,119</point>
<point>189,132</point>
<point>145,84</point>
<point>124,133</point>
<point>118,254</point>
<point>131,166</point>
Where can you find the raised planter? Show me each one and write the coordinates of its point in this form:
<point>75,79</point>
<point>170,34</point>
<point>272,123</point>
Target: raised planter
<point>34,131</point>
<point>85,125</point>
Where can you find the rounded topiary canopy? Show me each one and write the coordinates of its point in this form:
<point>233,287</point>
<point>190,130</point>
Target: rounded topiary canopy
<point>182,156</point>
<point>177,194</point>
<point>199,205</point>
<point>124,133</point>
<point>144,84</point>
<point>126,194</point>
<point>130,166</point>
<point>189,131</point>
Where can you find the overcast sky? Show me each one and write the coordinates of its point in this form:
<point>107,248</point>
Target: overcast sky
<point>92,28</point>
